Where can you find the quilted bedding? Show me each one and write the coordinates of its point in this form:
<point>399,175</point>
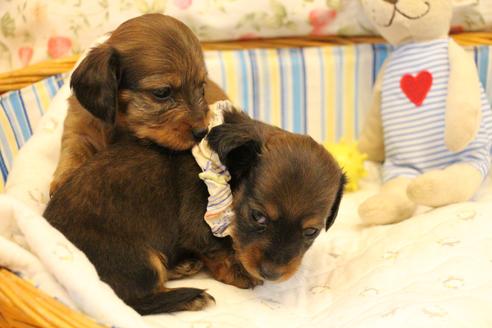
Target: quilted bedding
<point>434,270</point>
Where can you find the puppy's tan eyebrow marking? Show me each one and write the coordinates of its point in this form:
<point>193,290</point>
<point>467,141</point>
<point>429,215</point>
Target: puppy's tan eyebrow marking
<point>271,211</point>
<point>160,80</point>
<point>312,222</point>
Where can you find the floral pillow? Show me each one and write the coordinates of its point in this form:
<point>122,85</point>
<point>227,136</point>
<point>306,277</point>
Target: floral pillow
<point>32,31</point>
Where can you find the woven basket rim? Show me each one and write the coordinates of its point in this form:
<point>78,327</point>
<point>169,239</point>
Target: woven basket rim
<point>23,305</point>
<point>20,78</point>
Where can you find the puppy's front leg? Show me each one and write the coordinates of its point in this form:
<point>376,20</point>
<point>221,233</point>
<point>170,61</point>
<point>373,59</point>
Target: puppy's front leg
<point>225,268</point>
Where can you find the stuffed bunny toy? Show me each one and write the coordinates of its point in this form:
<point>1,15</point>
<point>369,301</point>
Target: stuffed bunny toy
<point>430,122</point>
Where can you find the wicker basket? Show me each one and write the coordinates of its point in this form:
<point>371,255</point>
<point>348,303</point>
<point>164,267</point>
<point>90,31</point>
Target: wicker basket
<point>19,78</point>
<point>23,305</point>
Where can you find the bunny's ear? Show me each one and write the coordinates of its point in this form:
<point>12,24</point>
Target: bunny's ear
<point>463,103</point>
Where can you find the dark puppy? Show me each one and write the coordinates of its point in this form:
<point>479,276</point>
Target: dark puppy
<point>149,78</point>
<point>137,211</point>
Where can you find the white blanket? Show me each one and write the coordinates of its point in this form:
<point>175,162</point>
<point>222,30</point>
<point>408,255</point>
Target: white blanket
<point>434,270</point>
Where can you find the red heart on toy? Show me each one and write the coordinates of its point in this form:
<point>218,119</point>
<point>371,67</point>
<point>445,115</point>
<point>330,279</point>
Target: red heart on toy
<point>416,88</point>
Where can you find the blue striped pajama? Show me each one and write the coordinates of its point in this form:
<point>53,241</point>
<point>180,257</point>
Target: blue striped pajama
<point>413,132</point>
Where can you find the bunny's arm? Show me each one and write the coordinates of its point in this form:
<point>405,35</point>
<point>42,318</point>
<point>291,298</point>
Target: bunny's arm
<point>463,104</point>
<point>371,140</point>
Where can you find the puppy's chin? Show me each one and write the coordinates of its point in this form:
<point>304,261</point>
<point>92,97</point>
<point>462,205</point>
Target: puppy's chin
<point>173,136</point>
<point>172,129</point>
<point>176,141</point>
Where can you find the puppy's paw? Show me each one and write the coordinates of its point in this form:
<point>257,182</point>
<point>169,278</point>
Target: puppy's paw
<point>186,268</point>
<point>225,268</point>
<point>243,279</point>
<point>200,302</point>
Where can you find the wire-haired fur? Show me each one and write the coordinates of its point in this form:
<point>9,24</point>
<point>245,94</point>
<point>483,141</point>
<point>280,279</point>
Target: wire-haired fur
<point>136,210</point>
<point>148,78</point>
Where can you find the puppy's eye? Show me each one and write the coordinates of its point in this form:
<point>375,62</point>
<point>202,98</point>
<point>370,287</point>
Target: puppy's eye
<point>310,232</point>
<point>259,218</point>
<point>162,93</point>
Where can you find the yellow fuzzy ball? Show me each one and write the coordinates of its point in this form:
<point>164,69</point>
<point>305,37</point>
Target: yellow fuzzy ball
<point>351,160</point>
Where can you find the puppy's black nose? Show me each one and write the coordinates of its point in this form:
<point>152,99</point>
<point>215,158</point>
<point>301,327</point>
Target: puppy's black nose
<point>199,134</point>
<point>393,2</point>
<point>268,273</point>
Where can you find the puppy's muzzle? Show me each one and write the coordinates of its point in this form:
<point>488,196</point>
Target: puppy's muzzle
<point>269,273</point>
<point>199,133</point>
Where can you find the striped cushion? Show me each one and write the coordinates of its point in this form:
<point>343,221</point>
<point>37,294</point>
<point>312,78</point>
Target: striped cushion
<point>322,91</point>
<point>319,90</point>
<point>19,114</point>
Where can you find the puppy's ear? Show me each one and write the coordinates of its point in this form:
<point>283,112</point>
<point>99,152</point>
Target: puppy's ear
<point>238,147</point>
<point>95,82</point>
<point>336,203</point>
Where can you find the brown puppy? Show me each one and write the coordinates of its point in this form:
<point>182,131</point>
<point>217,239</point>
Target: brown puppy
<point>136,210</point>
<point>150,78</point>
